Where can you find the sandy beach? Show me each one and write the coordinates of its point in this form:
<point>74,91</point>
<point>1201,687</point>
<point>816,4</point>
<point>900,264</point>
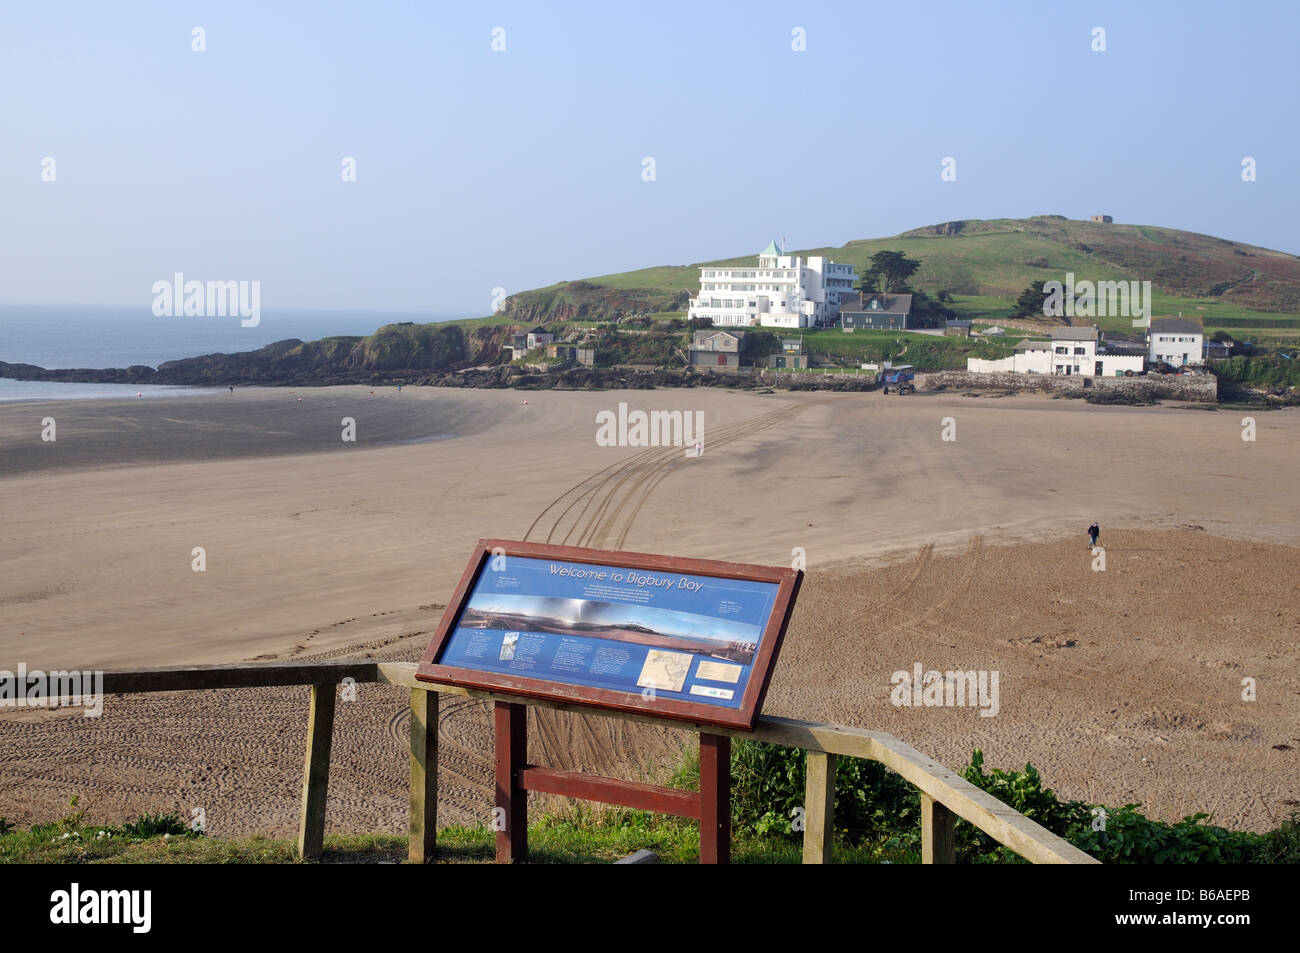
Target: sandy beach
<point>1121,686</point>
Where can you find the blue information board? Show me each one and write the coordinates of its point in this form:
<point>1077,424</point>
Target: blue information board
<point>655,633</point>
<point>669,637</point>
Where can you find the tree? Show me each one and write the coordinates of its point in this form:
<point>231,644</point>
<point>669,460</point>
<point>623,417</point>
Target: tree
<point>757,345</point>
<point>890,271</point>
<point>1030,302</point>
<point>927,313</point>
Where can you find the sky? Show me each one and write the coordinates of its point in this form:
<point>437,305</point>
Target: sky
<point>480,169</point>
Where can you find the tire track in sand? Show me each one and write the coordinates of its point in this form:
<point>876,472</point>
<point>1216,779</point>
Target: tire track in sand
<point>600,511</point>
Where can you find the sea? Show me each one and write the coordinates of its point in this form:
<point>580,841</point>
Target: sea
<point>81,336</point>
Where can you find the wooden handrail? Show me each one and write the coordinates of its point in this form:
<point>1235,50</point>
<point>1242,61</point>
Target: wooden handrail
<point>945,795</point>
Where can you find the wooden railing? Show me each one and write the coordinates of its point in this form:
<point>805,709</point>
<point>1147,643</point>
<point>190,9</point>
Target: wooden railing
<point>945,795</point>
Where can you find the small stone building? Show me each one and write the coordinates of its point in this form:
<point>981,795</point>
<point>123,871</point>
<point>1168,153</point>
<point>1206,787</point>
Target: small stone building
<point>716,349</point>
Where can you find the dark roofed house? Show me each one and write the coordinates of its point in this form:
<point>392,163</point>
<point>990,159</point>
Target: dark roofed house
<point>717,339</point>
<point>524,341</point>
<point>538,336</point>
<point>716,349</point>
<point>1177,325</point>
<point>1177,340</point>
<point>874,310</point>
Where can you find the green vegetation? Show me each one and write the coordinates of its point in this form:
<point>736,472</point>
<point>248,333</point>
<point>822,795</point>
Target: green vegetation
<point>1261,370</point>
<point>887,272</point>
<point>1030,304</point>
<point>875,808</point>
<point>653,348</point>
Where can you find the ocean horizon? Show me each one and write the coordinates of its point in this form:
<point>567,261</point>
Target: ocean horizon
<point>98,336</point>
<point>104,336</point>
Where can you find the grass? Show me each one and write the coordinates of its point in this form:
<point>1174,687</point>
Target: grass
<point>582,836</point>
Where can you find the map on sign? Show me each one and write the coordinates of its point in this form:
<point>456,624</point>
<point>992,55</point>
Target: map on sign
<point>666,670</point>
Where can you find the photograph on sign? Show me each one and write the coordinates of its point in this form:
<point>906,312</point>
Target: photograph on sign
<point>672,633</point>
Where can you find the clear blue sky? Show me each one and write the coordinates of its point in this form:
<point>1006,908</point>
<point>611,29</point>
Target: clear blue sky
<point>521,168</point>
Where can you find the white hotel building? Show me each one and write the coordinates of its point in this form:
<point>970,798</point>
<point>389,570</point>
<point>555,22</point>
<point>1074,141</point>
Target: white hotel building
<point>784,291</point>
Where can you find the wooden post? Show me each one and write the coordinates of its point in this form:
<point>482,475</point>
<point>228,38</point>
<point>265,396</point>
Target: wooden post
<point>511,815</point>
<point>715,799</point>
<point>937,845</point>
<point>819,808</point>
<point>316,771</point>
<point>422,841</point>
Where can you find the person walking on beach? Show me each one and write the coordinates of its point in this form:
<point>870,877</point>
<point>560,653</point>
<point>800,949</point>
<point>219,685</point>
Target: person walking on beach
<point>1093,533</point>
<point>232,388</point>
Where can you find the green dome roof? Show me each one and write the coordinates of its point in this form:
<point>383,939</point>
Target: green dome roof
<point>771,249</point>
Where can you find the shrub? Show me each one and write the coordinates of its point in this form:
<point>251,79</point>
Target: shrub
<point>154,825</point>
<point>1281,846</point>
<point>875,805</point>
<point>767,794</point>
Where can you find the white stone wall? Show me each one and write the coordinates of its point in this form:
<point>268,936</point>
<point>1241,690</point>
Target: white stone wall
<point>978,366</point>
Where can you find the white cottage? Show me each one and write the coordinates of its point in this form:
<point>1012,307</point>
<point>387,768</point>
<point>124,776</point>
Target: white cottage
<point>1177,341</point>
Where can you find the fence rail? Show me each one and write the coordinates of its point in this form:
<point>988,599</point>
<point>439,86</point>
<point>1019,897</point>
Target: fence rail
<point>945,796</point>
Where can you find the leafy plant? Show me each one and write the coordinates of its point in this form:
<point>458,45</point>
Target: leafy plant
<point>1281,846</point>
<point>154,825</point>
<point>75,817</point>
<point>874,806</point>
<point>767,795</point>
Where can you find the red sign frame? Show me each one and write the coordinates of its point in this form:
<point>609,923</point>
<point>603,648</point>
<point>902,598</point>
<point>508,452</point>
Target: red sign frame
<point>742,717</point>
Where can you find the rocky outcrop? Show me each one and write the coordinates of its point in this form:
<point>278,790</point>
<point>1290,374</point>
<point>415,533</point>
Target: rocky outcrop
<point>1189,387</point>
<point>585,300</point>
<point>394,352</point>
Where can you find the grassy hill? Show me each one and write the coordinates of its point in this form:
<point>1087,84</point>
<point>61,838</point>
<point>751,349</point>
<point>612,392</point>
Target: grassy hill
<point>986,264</point>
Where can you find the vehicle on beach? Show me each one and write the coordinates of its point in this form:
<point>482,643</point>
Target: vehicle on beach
<point>901,381</point>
